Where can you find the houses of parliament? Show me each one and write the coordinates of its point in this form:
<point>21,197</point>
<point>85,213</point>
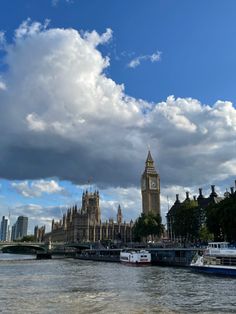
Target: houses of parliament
<point>84,224</point>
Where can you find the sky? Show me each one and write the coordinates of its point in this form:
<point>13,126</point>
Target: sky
<point>88,86</point>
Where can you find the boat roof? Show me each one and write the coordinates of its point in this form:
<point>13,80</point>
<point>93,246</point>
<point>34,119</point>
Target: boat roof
<point>101,250</point>
<point>218,243</point>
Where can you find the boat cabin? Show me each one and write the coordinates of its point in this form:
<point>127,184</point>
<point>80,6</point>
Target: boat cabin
<point>218,245</point>
<point>135,257</point>
<point>220,248</point>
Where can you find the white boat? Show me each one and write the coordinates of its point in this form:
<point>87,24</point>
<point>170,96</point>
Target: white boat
<point>136,258</point>
<point>218,258</point>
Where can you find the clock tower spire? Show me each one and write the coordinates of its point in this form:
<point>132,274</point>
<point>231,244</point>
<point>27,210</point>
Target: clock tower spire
<point>150,185</point>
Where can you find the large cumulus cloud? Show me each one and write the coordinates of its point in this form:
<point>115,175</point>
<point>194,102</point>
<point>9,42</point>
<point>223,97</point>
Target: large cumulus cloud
<point>62,116</point>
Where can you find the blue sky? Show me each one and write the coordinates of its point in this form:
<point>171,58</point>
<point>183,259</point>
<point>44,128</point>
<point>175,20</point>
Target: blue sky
<point>196,38</point>
<point>86,86</point>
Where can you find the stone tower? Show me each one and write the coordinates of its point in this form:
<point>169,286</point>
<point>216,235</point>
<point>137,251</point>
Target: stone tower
<point>150,185</point>
<point>90,206</point>
<point>119,215</point>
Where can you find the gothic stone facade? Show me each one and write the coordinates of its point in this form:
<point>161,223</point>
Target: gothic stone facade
<point>84,224</point>
<point>150,186</point>
<point>39,233</point>
<point>201,202</point>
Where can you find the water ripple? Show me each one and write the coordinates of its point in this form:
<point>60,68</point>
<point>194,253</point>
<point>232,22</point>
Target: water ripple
<point>73,286</point>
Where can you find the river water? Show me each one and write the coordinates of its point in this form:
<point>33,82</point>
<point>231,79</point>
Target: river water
<point>75,286</point>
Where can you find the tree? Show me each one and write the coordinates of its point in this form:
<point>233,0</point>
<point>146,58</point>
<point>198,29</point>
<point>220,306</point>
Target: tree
<point>187,221</point>
<point>205,235</point>
<point>28,238</point>
<point>213,221</point>
<point>221,219</point>
<point>147,225</point>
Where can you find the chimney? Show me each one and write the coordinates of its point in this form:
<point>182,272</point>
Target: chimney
<point>177,198</point>
<point>187,195</point>
<point>200,193</point>
<point>194,198</point>
<point>232,190</point>
<point>213,193</point>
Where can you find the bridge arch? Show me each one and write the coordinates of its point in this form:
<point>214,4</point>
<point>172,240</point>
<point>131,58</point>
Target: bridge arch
<point>22,248</point>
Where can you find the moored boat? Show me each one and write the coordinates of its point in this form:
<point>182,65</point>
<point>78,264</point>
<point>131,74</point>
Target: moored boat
<point>100,255</point>
<point>136,258</point>
<point>218,259</point>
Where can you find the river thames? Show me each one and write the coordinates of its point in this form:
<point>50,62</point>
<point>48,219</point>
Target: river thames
<point>75,286</point>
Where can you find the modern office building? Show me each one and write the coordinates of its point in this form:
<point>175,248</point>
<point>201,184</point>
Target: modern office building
<point>19,229</point>
<point>13,232</point>
<point>4,229</point>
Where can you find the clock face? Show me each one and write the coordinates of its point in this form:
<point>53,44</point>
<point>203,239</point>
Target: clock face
<point>153,183</point>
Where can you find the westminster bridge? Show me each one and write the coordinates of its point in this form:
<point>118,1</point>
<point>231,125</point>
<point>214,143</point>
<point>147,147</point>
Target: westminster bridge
<point>35,247</point>
<point>171,256</point>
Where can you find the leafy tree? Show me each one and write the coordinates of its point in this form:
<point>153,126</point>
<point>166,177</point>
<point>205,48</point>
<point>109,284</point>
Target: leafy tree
<point>28,238</point>
<point>205,235</point>
<point>187,220</point>
<point>147,225</point>
<point>213,221</point>
<point>221,219</point>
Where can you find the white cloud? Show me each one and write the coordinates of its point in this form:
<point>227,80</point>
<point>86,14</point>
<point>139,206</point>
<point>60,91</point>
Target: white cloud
<point>227,167</point>
<point>61,116</point>
<point>37,188</point>
<point>155,57</point>
<point>37,215</point>
<point>55,2</point>
<point>35,123</point>
<point>128,198</point>
<point>2,39</point>
<point>2,86</point>
<point>29,29</point>
<point>95,39</point>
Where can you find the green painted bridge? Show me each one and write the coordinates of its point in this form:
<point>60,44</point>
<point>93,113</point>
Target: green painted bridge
<point>34,247</point>
<point>23,247</point>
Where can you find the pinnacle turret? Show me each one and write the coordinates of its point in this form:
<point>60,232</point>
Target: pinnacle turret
<point>119,215</point>
<point>149,164</point>
<point>149,158</point>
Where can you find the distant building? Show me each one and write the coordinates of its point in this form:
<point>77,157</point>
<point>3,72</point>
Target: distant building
<point>84,224</point>
<point>150,186</point>
<point>4,229</point>
<point>39,233</point>
<point>201,202</point>
<point>13,232</point>
<point>19,229</point>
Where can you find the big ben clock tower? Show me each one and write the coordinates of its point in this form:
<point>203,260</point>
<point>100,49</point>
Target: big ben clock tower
<point>150,185</point>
